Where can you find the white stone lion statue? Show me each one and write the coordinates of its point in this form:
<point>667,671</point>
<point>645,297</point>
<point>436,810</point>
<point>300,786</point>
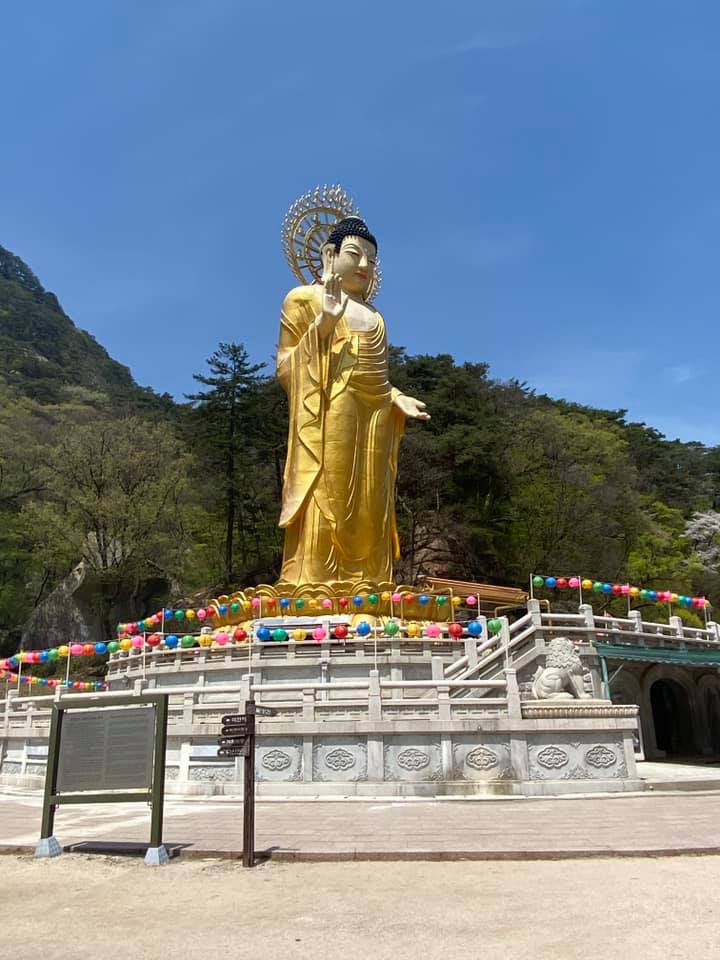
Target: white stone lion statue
<point>562,676</point>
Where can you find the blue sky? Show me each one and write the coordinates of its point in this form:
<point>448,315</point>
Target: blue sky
<point>541,175</point>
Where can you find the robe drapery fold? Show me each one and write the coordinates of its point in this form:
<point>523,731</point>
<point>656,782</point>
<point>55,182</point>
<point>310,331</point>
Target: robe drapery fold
<point>338,507</point>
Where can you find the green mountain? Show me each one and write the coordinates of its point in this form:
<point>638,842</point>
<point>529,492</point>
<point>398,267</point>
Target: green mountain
<point>45,357</point>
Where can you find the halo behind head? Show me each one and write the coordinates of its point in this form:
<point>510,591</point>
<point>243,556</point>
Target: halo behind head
<point>312,221</point>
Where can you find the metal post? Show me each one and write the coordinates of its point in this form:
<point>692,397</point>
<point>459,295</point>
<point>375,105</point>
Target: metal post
<point>158,784</point>
<point>48,845</point>
<point>249,790</point>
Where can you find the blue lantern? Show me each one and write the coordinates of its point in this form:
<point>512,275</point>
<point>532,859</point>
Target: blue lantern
<point>474,628</point>
<point>171,642</point>
<point>363,628</point>
<point>358,601</point>
<point>424,598</point>
<point>100,648</point>
<point>550,582</point>
<point>284,603</point>
<point>263,633</point>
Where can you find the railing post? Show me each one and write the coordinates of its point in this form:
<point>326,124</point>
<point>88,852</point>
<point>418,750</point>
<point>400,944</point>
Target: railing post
<point>470,650</point>
<point>443,702</point>
<point>374,696</point>
<point>504,636</point>
<point>636,618</point>
<point>535,611</point>
<point>513,695</point>
<point>438,671</point>
<point>308,704</point>
<point>586,611</point>
<point>714,628</point>
<point>678,629</point>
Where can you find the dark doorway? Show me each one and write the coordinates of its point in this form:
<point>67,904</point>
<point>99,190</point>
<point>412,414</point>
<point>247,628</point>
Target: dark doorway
<point>671,716</point>
<point>712,717</point>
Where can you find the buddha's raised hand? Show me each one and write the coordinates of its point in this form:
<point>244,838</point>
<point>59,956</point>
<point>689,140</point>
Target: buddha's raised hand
<point>415,409</point>
<point>334,302</point>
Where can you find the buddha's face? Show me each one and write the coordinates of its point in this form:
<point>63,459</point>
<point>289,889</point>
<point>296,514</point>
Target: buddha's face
<point>354,263</point>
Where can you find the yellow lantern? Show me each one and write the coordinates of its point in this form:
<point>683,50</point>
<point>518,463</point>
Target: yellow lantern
<point>413,629</point>
<point>189,614</point>
<point>298,634</point>
<point>386,595</point>
<point>674,597</point>
<point>206,640</point>
<point>125,643</point>
<point>63,651</point>
<point>634,591</point>
<point>456,601</point>
<point>587,584</point>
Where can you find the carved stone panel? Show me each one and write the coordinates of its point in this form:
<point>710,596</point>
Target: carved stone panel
<point>343,760</point>
<point>481,758</point>
<point>412,758</point>
<point>278,759</point>
<point>576,757</point>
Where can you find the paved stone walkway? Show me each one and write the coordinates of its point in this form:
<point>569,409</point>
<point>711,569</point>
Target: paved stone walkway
<point>413,829</point>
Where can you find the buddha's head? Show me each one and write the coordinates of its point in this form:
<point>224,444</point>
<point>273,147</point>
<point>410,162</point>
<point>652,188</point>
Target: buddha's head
<point>351,253</point>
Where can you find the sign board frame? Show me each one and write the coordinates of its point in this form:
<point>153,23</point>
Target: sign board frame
<point>154,794</point>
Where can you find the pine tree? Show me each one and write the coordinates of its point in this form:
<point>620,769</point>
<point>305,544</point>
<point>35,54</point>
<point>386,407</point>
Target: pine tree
<point>227,423</point>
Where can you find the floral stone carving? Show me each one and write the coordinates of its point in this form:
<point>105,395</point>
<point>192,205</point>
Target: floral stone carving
<point>552,758</point>
<point>481,759</point>
<point>413,759</point>
<point>276,760</point>
<point>601,756</point>
<point>340,759</point>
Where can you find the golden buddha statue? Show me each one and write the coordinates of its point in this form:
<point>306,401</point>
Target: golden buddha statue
<point>346,420</point>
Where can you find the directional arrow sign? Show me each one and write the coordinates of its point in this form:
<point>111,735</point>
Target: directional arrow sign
<point>236,730</point>
<point>232,751</point>
<point>231,741</point>
<point>235,718</point>
<point>263,711</point>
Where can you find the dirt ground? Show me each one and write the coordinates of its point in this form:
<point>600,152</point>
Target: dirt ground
<point>79,906</point>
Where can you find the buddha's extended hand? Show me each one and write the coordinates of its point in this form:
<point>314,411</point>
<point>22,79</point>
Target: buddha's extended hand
<point>415,409</point>
<point>334,302</point>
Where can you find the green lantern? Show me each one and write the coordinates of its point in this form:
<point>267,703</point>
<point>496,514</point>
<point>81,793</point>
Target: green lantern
<point>113,646</point>
<point>538,581</point>
<point>391,628</point>
<point>279,635</point>
<point>494,626</point>
<point>187,641</point>
<point>372,598</point>
<point>441,601</point>
<point>300,603</point>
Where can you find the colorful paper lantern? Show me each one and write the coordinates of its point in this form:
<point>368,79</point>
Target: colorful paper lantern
<point>239,635</point>
<point>340,631</point>
<point>413,629</point>
<point>538,581</point>
<point>318,634</point>
<point>171,641</point>
<point>222,638</point>
<point>363,629</point>
<point>298,634</point>
<point>455,630</point>
<point>263,633</point>
<point>392,628</point>
<point>433,631</point>
<point>279,635</point>
<point>494,626</point>
<point>475,628</point>
<point>327,603</point>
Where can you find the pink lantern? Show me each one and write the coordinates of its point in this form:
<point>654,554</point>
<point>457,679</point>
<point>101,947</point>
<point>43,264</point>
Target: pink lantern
<point>201,614</point>
<point>396,597</point>
<point>471,601</point>
<point>625,589</point>
<point>221,638</point>
<point>138,642</point>
<point>130,627</point>
<point>76,649</point>
<point>574,582</point>
<point>318,634</point>
<point>433,630</point>
<point>327,603</point>
<point>255,602</point>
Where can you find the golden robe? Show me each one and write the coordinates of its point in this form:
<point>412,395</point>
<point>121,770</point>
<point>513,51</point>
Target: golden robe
<point>338,507</point>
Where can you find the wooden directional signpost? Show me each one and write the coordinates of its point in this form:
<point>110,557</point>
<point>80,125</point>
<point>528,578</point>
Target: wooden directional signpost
<point>237,739</point>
